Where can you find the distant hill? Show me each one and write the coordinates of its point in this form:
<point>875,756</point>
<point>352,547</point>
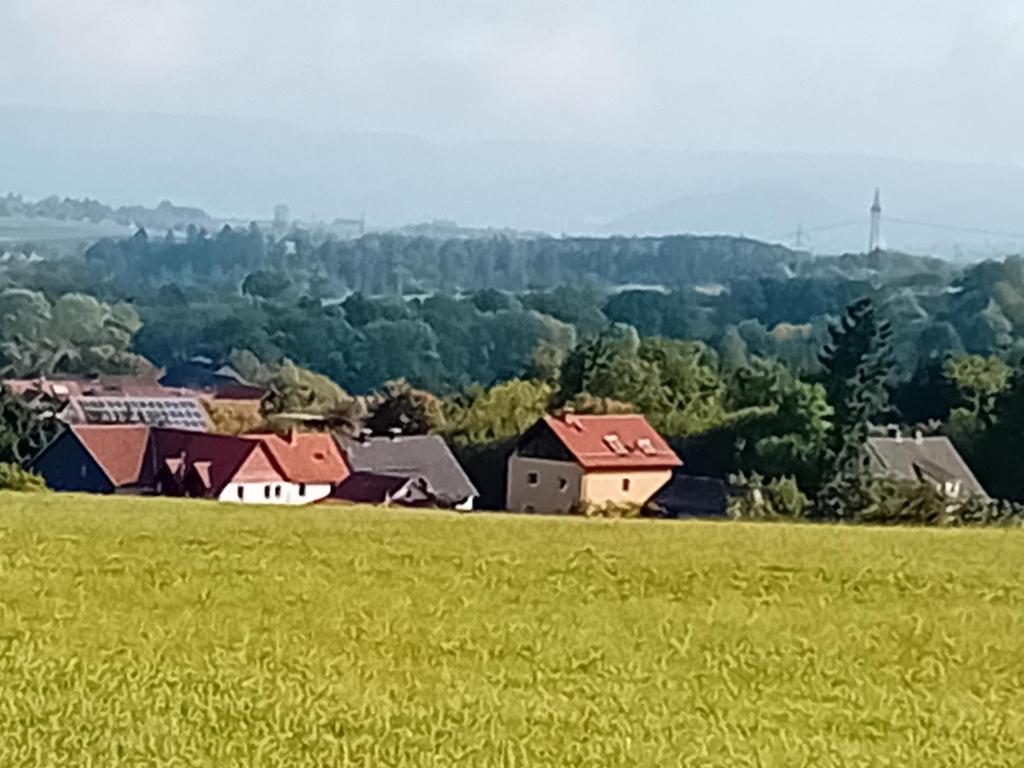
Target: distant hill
<point>768,209</point>
<point>240,168</point>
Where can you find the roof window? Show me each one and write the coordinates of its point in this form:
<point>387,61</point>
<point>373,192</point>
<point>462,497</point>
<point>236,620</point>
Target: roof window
<point>615,444</point>
<point>645,446</point>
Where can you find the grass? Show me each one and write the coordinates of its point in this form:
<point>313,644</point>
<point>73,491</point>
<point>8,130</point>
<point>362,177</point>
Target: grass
<point>150,632</point>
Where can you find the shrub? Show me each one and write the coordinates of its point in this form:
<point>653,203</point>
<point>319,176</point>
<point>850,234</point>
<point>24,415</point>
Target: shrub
<point>885,501</point>
<point>778,499</point>
<point>610,510</point>
<point>14,478</point>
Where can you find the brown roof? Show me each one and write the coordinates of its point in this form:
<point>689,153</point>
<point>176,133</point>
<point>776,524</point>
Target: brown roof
<point>306,457</point>
<point>118,450</point>
<point>220,455</point>
<point>623,441</point>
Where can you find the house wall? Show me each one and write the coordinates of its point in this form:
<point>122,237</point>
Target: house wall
<point>67,466</point>
<point>280,492</point>
<point>604,487</point>
<point>261,483</point>
<point>547,495</point>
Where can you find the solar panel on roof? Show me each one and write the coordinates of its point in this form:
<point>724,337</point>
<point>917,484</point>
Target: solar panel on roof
<point>167,412</point>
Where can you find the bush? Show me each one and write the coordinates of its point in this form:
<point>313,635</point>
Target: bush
<point>610,510</point>
<point>778,499</point>
<point>885,501</point>
<point>14,478</point>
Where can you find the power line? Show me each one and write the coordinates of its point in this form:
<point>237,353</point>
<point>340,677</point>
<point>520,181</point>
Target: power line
<point>954,228</point>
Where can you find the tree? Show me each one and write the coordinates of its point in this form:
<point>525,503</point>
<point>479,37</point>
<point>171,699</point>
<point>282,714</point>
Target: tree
<point>856,364</point>
<point>76,334</point>
<point>608,366</point>
<point>298,390</point>
<point>781,422</point>
<point>997,450</point>
<point>979,381</point>
<point>501,412</point>
<point>674,383</point>
<point>407,410</point>
<point>24,431</point>
<point>264,284</point>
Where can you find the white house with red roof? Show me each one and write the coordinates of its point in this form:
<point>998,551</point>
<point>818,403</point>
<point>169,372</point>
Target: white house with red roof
<point>565,462</point>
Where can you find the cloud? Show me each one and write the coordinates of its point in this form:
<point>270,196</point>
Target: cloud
<point>932,77</point>
<point>128,40</point>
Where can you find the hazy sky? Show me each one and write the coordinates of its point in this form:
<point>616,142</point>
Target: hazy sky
<point>918,78</point>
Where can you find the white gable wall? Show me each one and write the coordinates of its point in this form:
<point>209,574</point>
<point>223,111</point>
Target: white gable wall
<point>279,492</point>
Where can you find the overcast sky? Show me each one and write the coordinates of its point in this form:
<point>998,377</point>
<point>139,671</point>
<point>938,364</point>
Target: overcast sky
<point>914,78</point>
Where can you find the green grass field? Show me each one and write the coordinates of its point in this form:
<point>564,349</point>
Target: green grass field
<point>153,632</point>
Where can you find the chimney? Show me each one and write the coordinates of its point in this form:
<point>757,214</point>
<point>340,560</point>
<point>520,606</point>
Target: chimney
<point>918,438</point>
<point>293,437</point>
<point>897,433</point>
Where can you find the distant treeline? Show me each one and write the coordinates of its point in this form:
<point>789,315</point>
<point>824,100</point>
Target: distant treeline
<point>392,264</point>
<point>165,216</point>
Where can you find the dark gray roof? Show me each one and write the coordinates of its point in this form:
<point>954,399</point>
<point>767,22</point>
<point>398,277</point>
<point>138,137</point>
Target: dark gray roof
<point>426,456</point>
<point>692,496</point>
<point>925,458</point>
<point>371,488</point>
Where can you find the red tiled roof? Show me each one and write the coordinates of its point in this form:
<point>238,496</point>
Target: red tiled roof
<point>613,442</point>
<point>119,450</point>
<point>306,457</point>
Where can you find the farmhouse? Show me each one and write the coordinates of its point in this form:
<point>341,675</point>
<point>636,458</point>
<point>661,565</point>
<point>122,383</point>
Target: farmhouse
<point>563,462</point>
<point>425,458</point>
<point>113,400</point>
<point>259,469</point>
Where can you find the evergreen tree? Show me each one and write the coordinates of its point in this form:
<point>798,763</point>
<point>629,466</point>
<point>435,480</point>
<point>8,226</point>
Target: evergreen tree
<point>856,363</point>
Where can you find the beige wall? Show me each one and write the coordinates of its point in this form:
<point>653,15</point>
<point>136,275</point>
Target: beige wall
<point>605,487</point>
<point>547,495</point>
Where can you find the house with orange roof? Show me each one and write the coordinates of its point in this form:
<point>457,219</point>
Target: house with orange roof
<point>564,462</point>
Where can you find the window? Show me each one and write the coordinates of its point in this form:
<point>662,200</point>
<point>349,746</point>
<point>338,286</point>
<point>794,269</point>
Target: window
<point>625,484</point>
<point>266,491</point>
<point>563,484</point>
<point>277,492</point>
<point>615,445</point>
<point>532,478</point>
<point>241,493</point>
<point>302,489</point>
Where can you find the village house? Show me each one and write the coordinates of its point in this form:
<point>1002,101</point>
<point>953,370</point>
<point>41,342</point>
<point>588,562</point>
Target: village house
<point>933,460</point>
<point>425,459</point>
<point>113,400</point>
<point>257,469</point>
<point>565,462</point>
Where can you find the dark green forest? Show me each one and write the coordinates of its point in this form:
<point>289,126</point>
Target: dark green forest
<point>722,340</point>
